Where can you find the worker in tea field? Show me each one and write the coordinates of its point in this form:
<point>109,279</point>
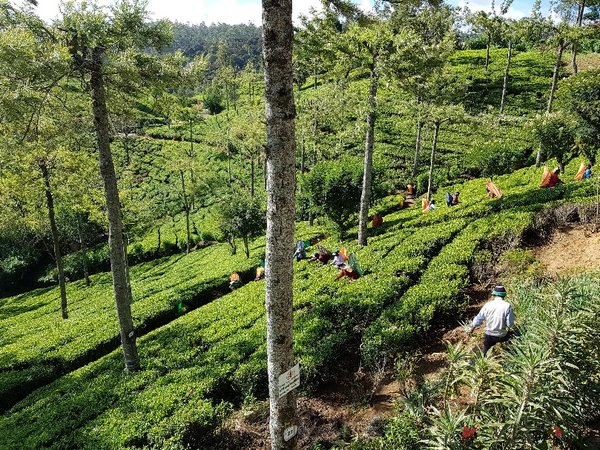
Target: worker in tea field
<point>550,179</point>
<point>260,271</point>
<point>339,259</point>
<point>498,316</point>
<point>323,255</point>
<point>455,198</point>
<point>351,270</point>
<point>377,220</point>
<point>300,252</point>
<point>431,206</point>
<point>235,281</point>
<point>493,190</point>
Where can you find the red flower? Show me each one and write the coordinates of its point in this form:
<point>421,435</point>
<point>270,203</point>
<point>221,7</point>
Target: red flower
<point>468,433</point>
<point>557,431</point>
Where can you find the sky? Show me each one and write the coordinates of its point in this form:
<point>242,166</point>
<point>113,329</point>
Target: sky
<point>244,11</point>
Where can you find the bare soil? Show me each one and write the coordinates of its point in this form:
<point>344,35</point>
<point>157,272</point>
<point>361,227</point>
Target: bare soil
<point>339,412</point>
<point>570,250</point>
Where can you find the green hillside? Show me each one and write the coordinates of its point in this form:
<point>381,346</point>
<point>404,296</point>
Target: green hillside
<point>203,364</point>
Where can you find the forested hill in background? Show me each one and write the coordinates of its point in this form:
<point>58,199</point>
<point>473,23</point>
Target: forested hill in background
<point>223,44</point>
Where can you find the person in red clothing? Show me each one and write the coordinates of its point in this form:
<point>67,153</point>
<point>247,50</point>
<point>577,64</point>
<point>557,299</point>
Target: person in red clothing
<point>554,180</point>
<point>377,220</point>
<point>348,271</point>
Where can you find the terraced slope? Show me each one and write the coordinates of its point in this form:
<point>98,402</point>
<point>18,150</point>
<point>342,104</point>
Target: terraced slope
<point>198,367</point>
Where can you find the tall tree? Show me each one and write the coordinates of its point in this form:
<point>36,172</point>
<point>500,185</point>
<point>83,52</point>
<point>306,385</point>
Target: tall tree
<point>281,208</point>
<point>96,37</point>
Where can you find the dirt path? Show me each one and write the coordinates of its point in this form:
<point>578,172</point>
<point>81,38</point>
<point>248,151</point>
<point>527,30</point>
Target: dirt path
<point>570,251</point>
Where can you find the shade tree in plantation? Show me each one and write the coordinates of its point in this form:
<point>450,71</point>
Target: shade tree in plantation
<point>107,47</point>
<point>556,133</point>
<point>241,216</point>
<point>487,24</point>
<point>424,38</point>
<point>580,95</point>
<point>364,46</point>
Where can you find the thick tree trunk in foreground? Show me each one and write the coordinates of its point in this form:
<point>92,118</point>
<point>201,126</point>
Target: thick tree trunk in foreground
<point>436,130</point>
<point>506,74</point>
<point>83,250</point>
<point>281,203</point>
<point>368,164</point>
<point>56,242</point>
<point>555,74</point>
<point>116,245</point>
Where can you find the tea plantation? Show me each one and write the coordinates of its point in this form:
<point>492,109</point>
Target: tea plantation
<point>198,367</point>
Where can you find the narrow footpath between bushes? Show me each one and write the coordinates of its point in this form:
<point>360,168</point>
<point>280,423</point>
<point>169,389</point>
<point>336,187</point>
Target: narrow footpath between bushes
<point>339,412</point>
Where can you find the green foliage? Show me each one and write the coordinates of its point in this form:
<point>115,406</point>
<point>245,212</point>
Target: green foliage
<point>334,188</point>
<point>241,216</point>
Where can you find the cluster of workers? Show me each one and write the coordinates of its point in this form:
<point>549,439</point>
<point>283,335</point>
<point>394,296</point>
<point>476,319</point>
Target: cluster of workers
<point>347,264</point>
<point>551,179</point>
<point>497,313</point>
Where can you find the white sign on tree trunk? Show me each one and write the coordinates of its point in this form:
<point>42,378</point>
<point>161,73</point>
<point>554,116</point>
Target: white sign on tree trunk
<point>290,432</point>
<point>289,380</point>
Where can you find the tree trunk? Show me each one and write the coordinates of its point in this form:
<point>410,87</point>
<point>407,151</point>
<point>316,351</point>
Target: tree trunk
<point>420,124</point>
<point>186,208</point>
<point>229,163</point>
<point>367,172</point>
<point>246,247</point>
<point>281,200</point>
<point>436,130</point>
<point>555,74</point>
<point>158,236</point>
<point>56,242</point>
<point>252,177</point>
<point>83,250</point>
<point>579,22</point>
<point>506,73</point>
<point>487,50</point>
<point>118,264</point>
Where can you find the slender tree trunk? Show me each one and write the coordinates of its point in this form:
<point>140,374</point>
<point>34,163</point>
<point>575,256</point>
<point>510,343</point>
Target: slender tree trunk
<point>487,50</point>
<point>116,246</point>
<point>506,74</point>
<point>303,157</point>
<point>436,130</point>
<point>186,208</point>
<point>555,74</point>
<point>158,236</point>
<point>420,124</point>
<point>83,250</point>
<point>281,203</point>
<point>229,163</point>
<point>56,242</point>
<point>579,21</point>
<point>191,139</point>
<point>252,177</point>
<point>246,247</point>
<point>368,168</point>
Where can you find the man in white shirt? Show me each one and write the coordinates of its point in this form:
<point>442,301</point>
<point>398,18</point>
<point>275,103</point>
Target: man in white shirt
<point>498,316</point>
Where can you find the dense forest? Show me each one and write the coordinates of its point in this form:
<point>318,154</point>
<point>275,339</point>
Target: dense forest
<point>143,163</point>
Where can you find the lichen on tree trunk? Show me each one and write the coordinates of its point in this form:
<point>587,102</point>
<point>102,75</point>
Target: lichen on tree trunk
<point>116,246</point>
<point>281,181</point>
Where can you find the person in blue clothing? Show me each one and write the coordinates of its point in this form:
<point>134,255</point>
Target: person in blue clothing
<point>498,315</point>
<point>300,252</point>
<point>448,199</point>
<point>588,172</point>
